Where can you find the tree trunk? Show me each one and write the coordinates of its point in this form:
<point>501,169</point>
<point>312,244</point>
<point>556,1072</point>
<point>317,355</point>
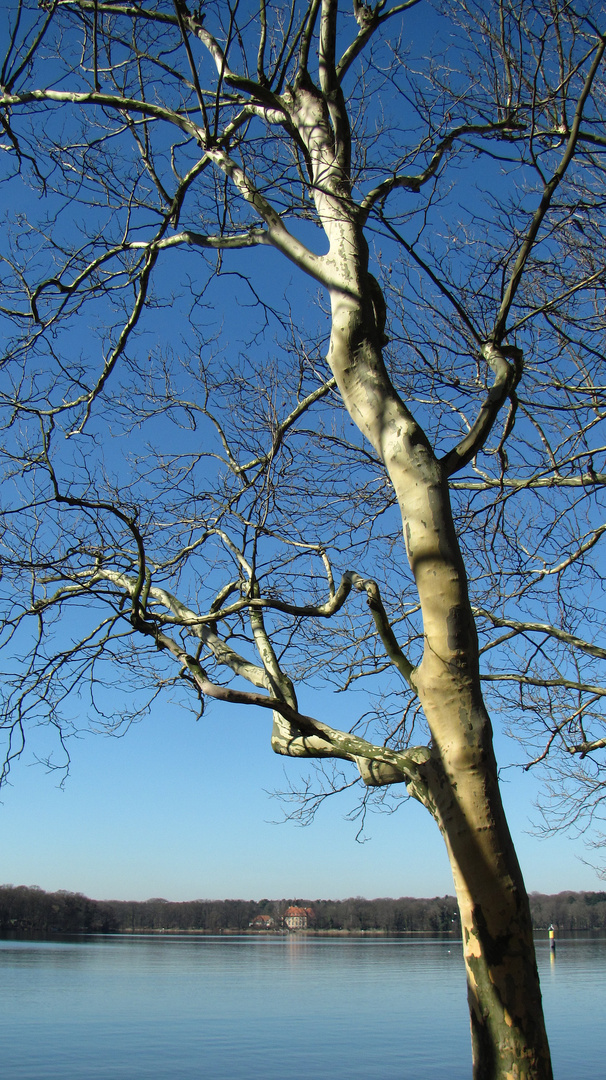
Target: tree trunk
<point>508,1035</point>
<point>459,785</point>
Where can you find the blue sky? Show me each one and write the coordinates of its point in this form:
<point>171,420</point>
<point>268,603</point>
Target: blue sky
<point>182,810</point>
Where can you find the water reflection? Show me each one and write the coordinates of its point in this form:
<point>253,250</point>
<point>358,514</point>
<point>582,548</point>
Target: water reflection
<point>279,1008</point>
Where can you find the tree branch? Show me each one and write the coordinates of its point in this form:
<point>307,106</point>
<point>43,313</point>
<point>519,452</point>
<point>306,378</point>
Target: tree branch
<point>585,748</point>
<point>222,652</point>
<point>283,427</point>
<point>342,744</point>
<point>506,362</point>
<point>278,234</point>
<point>587,480</point>
<point>530,680</point>
<point>499,329</point>
<point>543,628</point>
<point>109,101</point>
<point>415,182</point>
<point>383,626</point>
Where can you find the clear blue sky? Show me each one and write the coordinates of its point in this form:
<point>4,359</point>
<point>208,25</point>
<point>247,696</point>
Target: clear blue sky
<point>181,809</point>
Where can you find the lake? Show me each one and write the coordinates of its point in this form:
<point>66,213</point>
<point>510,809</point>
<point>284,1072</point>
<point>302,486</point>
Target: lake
<point>271,1008</point>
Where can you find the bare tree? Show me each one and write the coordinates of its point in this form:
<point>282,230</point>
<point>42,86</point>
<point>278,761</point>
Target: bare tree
<point>206,472</point>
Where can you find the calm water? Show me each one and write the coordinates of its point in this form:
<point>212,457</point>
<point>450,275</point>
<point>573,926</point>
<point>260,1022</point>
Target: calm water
<point>283,1008</point>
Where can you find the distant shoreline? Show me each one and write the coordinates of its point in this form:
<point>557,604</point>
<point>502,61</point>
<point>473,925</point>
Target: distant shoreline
<point>26,909</point>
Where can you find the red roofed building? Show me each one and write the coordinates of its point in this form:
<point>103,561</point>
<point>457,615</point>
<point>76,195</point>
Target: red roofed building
<point>262,922</point>
<point>297,918</point>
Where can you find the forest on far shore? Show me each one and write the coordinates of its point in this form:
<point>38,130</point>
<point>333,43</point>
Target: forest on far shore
<point>32,910</point>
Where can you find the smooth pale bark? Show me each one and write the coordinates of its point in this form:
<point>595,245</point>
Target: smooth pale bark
<point>459,786</point>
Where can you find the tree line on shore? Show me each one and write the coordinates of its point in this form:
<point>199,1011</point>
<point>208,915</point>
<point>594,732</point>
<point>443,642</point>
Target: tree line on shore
<point>31,909</point>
